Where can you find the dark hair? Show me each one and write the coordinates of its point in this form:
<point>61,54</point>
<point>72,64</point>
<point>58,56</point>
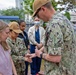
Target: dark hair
<point>20,21</point>
<point>48,5</point>
<point>10,30</point>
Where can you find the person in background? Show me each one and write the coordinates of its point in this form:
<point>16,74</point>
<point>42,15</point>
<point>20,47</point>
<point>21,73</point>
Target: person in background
<point>6,63</point>
<point>24,36</point>
<point>36,38</point>
<point>18,48</point>
<point>60,40</point>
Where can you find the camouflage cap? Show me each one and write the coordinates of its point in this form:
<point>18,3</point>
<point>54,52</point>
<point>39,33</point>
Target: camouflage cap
<point>37,4</point>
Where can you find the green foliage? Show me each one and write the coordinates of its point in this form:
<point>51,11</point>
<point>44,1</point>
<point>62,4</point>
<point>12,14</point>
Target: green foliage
<point>45,24</point>
<point>67,14</point>
<point>28,6</point>
<point>29,10</point>
<point>13,12</point>
<point>54,3</point>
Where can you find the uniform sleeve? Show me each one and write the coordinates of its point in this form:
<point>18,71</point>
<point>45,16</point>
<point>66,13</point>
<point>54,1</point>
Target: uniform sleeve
<point>55,40</point>
<point>22,51</point>
<point>17,58</point>
<point>43,36</point>
<point>23,47</point>
<point>67,29</point>
<point>17,52</point>
<point>9,44</point>
<point>31,37</point>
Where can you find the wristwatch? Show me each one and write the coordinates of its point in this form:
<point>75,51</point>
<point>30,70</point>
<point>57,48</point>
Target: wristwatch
<point>41,55</point>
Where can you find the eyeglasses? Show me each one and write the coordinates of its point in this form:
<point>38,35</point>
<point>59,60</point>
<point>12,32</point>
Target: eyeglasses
<point>37,12</point>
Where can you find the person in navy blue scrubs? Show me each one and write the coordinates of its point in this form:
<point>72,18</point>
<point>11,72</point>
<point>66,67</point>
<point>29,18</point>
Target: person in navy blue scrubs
<point>36,35</point>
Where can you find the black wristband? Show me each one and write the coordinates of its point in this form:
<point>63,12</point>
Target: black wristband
<point>41,55</point>
<point>28,48</point>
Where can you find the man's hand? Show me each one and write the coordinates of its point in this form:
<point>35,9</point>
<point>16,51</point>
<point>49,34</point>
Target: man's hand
<point>31,55</point>
<point>38,52</point>
<point>28,51</point>
<point>28,59</point>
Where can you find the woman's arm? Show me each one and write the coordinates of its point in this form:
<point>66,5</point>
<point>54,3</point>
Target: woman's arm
<point>13,67</point>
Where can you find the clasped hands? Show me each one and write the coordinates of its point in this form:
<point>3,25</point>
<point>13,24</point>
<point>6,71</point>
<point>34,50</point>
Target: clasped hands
<point>30,56</point>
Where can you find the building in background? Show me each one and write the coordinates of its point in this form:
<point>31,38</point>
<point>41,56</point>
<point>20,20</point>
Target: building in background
<point>28,19</point>
<point>19,4</point>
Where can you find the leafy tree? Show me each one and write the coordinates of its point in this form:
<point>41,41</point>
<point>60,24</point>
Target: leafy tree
<point>28,6</point>
<point>13,12</point>
<point>67,14</point>
<point>54,3</point>
<point>29,10</point>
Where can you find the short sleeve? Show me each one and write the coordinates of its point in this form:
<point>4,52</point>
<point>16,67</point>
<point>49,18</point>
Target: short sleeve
<point>55,40</point>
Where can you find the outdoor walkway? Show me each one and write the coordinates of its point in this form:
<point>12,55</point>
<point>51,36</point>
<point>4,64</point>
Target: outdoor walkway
<point>41,73</point>
<point>42,69</point>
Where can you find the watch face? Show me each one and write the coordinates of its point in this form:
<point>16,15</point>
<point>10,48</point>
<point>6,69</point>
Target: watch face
<point>41,55</point>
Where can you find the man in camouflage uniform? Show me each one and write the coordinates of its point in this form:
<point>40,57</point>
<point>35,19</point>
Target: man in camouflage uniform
<point>18,48</point>
<point>59,41</point>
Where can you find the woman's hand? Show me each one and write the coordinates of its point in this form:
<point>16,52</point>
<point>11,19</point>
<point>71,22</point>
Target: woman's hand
<point>28,59</point>
<point>0,74</point>
<point>31,55</point>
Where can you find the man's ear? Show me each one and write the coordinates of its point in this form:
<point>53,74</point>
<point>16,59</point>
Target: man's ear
<point>43,8</point>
